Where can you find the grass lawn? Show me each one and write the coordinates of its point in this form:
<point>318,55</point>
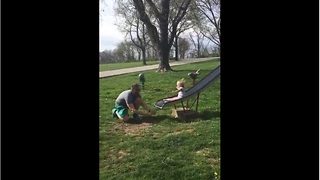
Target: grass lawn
<point>162,147</point>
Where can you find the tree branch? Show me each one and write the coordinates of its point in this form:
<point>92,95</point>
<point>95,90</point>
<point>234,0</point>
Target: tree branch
<point>154,8</point>
<point>152,30</point>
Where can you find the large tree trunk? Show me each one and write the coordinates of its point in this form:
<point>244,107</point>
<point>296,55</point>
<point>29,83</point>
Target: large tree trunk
<point>164,59</point>
<point>164,48</point>
<point>161,41</point>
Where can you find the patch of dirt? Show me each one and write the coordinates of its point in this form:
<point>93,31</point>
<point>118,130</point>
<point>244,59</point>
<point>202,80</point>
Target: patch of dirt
<point>132,129</point>
<point>122,154</point>
<point>203,151</point>
<point>213,161</point>
<point>180,131</point>
<point>116,156</point>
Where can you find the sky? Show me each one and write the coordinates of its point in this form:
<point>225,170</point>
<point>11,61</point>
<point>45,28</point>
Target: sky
<point>109,34</point>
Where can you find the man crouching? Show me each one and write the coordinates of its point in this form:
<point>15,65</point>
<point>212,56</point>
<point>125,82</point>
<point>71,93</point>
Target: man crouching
<point>130,100</point>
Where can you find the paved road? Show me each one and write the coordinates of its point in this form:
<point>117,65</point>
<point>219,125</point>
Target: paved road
<point>104,74</point>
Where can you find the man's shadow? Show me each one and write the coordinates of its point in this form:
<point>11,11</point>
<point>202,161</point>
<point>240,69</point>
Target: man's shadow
<point>150,119</point>
<point>203,116</point>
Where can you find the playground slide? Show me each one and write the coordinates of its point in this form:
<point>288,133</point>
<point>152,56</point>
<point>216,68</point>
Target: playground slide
<point>197,88</point>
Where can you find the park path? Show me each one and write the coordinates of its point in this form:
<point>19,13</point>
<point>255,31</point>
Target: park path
<point>105,74</point>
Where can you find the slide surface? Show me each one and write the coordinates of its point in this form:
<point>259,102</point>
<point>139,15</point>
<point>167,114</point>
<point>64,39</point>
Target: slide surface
<point>197,88</point>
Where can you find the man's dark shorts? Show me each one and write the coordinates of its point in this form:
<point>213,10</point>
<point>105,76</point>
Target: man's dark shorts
<point>123,111</point>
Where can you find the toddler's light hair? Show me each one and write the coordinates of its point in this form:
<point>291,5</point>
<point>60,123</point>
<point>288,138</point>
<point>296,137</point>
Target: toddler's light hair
<point>181,82</point>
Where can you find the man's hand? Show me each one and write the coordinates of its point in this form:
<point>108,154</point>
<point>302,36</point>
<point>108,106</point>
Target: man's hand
<point>139,112</point>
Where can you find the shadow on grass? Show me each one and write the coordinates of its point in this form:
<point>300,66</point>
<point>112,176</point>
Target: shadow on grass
<point>151,119</point>
<point>207,114</point>
<point>202,116</point>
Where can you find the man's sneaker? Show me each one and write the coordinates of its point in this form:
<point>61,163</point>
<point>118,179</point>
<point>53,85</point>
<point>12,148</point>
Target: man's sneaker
<point>136,117</point>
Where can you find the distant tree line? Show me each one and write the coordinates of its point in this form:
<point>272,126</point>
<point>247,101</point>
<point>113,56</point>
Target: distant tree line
<point>191,47</point>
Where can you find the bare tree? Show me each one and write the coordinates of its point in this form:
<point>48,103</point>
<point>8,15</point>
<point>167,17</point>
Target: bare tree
<point>152,53</point>
<point>133,26</point>
<point>161,40</point>
<point>120,52</point>
<point>183,25</point>
<point>102,5</point>
<point>209,24</point>
<point>184,46</point>
<point>140,42</point>
<point>125,51</point>
<point>197,41</point>
<point>107,56</point>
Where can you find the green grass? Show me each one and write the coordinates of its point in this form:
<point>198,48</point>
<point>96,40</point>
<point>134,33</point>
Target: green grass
<point>166,148</point>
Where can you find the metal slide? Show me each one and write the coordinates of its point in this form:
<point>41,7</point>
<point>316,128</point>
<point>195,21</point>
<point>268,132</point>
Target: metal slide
<point>193,91</point>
